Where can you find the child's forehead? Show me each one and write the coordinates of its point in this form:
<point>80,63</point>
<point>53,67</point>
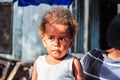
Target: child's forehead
<point>57,29</point>
<point>56,26</point>
<point>57,34</point>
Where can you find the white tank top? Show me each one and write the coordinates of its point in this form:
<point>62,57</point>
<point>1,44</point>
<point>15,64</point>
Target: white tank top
<point>61,71</point>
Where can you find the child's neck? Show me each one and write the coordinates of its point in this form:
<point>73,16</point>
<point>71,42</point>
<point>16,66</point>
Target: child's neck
<point>52,60</point>
<point>113,53</point>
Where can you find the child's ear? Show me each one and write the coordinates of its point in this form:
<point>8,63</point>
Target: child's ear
<point>71,43</point>
<point>43,40</point>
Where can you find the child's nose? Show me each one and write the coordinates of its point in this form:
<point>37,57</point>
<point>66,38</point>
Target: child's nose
<point>56,43</point>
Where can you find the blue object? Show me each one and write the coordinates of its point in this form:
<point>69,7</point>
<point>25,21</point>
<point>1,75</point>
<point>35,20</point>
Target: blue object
<point>37,2</point>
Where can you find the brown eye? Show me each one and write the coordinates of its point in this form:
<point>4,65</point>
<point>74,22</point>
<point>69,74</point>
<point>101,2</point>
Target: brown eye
<point>61,39</point>
<point>51,38</point>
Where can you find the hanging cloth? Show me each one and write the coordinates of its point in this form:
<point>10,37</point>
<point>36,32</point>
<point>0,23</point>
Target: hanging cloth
<point>37,2</point>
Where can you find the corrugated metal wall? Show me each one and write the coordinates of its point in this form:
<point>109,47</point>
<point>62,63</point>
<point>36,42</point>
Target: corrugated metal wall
<point>27,45</point>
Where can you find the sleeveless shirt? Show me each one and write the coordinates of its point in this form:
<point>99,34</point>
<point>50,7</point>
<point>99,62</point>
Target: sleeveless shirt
<point>61,71</point>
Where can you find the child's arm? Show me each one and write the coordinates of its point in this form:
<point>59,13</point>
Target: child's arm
<point>77,69</point>
<point>34,73</point>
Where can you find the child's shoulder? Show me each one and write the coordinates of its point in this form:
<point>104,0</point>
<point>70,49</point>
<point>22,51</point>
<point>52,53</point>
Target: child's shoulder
<point>41,57</point>
<point>72,58</point>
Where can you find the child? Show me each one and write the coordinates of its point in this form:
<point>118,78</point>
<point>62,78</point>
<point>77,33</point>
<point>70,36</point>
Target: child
<point>57,30</point>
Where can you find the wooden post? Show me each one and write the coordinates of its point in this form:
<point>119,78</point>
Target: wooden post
<point>86,24</point>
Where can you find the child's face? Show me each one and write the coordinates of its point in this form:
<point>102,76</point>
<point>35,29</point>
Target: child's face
<point>56,40</point>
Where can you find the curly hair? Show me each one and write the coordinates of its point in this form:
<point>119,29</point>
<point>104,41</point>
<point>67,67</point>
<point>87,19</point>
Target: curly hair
<point>113,33</point>
<point>59,15</point>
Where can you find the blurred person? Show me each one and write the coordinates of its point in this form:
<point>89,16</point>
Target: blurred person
<point>104,64</point>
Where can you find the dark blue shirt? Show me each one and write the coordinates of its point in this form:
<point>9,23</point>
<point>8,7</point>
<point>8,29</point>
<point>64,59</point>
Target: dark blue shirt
<point>97,66</point>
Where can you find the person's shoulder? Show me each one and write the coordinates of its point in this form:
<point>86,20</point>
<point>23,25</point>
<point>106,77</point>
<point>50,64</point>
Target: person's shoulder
<point>93,54</point>
<point>91,62</point>
<point>39,58</point>
<point>96,52</point>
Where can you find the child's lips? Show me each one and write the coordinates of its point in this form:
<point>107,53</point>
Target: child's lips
<point>56,50</point>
